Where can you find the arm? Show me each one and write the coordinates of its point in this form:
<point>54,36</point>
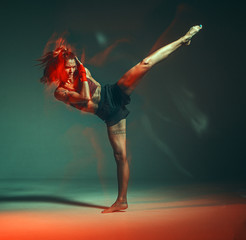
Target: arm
<point>73,97</point>
<point>85,90</point>
<point>67,96</point>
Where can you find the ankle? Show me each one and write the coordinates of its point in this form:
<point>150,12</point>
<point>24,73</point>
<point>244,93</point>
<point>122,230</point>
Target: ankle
<point>185,39</point>
<point>121,200</point>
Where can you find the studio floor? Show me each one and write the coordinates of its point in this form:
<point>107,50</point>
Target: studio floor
<point>71,210</point>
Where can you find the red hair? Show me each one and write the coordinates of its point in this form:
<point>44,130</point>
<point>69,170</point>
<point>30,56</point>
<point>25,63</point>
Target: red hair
<point>53,63</point>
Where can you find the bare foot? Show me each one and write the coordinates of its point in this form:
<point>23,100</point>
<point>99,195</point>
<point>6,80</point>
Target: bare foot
<point>193,31</point>
<point>117,206</point>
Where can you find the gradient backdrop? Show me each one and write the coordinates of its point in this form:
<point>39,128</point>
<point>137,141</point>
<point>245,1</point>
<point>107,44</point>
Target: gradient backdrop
<point>187,120</point>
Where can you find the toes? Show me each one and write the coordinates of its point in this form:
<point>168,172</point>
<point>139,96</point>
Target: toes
<point>107,210</point>
<point>104,211</point>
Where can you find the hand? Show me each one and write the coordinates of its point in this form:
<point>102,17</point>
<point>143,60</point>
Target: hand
<point>81,70</point>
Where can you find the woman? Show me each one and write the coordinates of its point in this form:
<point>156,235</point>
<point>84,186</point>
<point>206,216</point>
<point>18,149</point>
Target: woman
<point>79,89</point>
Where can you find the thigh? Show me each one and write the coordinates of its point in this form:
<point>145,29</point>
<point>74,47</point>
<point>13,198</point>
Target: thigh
<point>130,79</point>
<point>117,137</point>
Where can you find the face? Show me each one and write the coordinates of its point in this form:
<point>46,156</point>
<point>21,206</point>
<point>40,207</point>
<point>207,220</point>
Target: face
<point>70,67</point>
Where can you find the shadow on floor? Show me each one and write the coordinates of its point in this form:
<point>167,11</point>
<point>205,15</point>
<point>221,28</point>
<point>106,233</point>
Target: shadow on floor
<point>47,199</point>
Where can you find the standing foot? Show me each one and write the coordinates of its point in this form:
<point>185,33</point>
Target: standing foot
<point>117,206</point>
<point>193,31</point>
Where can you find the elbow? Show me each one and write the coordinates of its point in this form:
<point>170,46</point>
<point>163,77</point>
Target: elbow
<point>88,97</point>
<point>57,96</point>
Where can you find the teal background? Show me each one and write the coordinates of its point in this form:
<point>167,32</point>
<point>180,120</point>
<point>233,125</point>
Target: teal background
<point>187,120</point>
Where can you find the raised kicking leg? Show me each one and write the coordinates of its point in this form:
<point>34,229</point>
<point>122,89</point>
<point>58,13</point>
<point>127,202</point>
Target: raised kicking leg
<point>131,78</point>
<point>117,138</point>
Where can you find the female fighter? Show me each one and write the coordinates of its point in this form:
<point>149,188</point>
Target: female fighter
<point>77,87</point>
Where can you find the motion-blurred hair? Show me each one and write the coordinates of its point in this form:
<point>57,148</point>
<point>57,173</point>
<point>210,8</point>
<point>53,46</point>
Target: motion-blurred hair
<point>53,63</point>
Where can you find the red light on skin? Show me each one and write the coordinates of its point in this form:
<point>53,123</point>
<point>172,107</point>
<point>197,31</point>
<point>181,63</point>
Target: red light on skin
<point>56,68</point>
<point>70,68</point>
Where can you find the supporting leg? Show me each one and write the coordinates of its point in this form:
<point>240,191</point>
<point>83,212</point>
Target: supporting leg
<point>131,78</point>
<point>117,138</point>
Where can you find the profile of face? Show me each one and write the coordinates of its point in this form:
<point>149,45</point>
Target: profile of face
<point>70,68</point>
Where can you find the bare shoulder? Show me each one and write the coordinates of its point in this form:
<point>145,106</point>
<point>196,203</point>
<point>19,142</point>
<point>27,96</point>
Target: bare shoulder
<point>88,75</point>
<point>88,72</point>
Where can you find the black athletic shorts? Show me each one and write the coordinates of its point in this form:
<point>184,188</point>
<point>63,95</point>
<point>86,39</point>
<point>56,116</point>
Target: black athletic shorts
<point>111,108</point>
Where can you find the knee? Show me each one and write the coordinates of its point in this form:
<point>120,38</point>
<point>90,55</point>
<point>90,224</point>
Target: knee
<point>120,157</point>
<point>146,63</point>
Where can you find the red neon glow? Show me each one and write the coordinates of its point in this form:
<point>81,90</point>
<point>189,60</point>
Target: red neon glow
<point>224,222</point>
<point>54,61</point>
